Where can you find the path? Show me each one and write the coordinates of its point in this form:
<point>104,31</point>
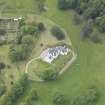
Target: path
<point>68,64</point>
<point>27,65</point>
<point>60,73</point>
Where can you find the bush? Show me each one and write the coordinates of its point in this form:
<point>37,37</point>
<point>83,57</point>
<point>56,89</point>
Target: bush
<point>100,21</point>
<point>18,53</point>
<point>58,33</point>
<point>23,103</point>
<point>41,27</point>
<point>49,75</point>
<point>59,98</point>
<point>2,32</point>
<point>27,40</point>
<point>86,31</point>
<point>62,4</point>
<point>2,65</point>
<point>77,19</point>
<point>89,97</point>
<point>95,38</point>
<point>29,29</point>
<point>32,97</point>
<point>2,90</point>
<point>19,39</point>
<point>68,4</point>
<point>22,22</point>
<point>41,5</point>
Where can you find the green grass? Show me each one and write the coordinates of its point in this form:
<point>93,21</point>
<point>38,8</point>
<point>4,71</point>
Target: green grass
<point>88,70</point>
<point>18,7</point>
<point>61,61</point>
<point>37,68</point>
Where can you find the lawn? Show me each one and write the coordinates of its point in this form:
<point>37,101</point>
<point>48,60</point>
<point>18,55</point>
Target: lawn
<point>37,68</point>
<point>88,70</point>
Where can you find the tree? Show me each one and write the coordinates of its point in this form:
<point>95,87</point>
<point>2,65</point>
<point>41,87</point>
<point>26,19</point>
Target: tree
<point>86,31</point>
<point>100,21</point>
<point>81,8</point>
<point>68,4</point>
<point>58,33</point>
<point>62,4</point>
<point>28,40</point>
<point>18,53</point>
<point>73,4</point>
<point>89,9</point>
<point>96,6</point>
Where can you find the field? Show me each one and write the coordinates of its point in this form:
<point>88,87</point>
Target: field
<point>87,71</point>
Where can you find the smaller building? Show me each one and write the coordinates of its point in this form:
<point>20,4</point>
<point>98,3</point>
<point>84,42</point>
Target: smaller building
<point>50,54</point>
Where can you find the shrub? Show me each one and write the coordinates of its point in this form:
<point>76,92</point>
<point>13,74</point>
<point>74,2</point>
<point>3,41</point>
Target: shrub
<point>62,4</point>
<point>86,31</point>
<point>19,39</point>
<point>68,4</point>
<point>49,75</point>
<point>41,5</point>
<point>58,33</point>
<point>18,53</point>
<point>95,38</point>
<point>100,21</point>
<point>23,103</point>
<point>33,96</point>
<point>77,19</point>
<point>85,99</point>
<point>59,98</point>
<point>28,40</point>
<point>2,65</point>
<point>2,90</point>
<point>41,27</point>
<point>2,32</point>
<point>29,29</point>
<point>22,22</point>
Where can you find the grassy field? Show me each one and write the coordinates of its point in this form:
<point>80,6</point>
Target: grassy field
<point>88,70</point>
